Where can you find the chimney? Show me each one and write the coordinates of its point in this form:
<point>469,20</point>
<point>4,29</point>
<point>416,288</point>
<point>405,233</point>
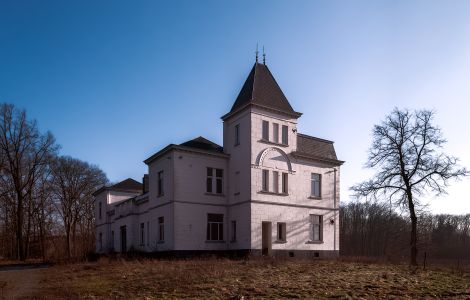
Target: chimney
<point>145,183</point>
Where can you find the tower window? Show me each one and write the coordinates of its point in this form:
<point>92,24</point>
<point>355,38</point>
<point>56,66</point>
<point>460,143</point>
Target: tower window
<point>266,130</point>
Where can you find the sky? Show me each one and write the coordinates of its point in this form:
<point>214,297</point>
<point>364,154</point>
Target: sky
<point>115,81</point>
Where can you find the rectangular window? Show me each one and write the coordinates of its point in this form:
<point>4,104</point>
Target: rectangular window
<point>161,229</point>
<point>281,232</point>
<point>209,180</point>
<point>215,227</point>
<point>99,208</point>
<point>142,232</point>
<point>219,180</point>
<point>285,183</point>
<point>275,132</point>
<point>316,227</point>
<point>285,140</point>
<point>316,185</point>
<point>266,130</point>
<point>265,187</point>
<point>233,231</point>
<point>276,182</point>
<point>148,233</point>
<point>101,241</point>
<point>237,134</point>
<point>160,183</point>
<point>219,174</point>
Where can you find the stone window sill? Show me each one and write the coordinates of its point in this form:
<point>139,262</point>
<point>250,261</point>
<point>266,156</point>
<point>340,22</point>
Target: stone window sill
<point>214,194</point>
<point>315,198</point>
<point>280,242</point>
<point>314,242</point>
<point>161,242</point>
<point>272,143</point>
<point>215,242</point>
<point>273,193</point>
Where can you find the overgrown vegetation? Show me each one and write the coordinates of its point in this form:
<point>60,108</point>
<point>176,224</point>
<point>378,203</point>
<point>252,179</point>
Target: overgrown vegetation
<point>263,278</point>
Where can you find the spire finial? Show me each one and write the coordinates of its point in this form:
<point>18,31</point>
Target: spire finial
<point>256,52</point>
<point>264,57</point>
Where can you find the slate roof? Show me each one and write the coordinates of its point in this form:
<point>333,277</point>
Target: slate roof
<point>203,144</point>
<point>127,185</point>
<point>199,144</point>
<point>261,89</point>
<point>316,148</point>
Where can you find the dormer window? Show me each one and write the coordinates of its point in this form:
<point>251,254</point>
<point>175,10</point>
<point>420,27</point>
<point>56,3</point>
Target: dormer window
<point>266,130</point>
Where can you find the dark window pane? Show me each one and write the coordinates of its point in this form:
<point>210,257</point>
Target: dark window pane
<point>284,134</point>
<point>215,218</point>
<point>221,232</point>
<point>219,172</point>
<point>209,185</point>
<point>219,186</point>
<point>209,171</point>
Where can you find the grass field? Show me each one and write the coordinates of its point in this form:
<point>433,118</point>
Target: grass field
<point>239,279</point>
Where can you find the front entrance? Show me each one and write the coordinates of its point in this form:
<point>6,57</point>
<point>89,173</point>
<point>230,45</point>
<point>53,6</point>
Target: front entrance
<point>123,239</point>
<point>266,236</point>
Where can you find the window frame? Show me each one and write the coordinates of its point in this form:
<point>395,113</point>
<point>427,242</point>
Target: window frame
<point>312,186</point>
<point>160,183</point>
<point>285,183</point>
<point>285,135</point>
<point>237,134</point>
<point>142,234</point>
<point>265,130</point>
<point>233,231</point>
<point>313,226</point>
<point>281,232</point>
<point>161,229</point>
<point>276,182</point>
<point>219,225</point>
<point>276,133</point>
<point>265,180</point>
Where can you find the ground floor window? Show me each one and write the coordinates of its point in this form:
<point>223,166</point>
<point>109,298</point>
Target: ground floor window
<point>101,241</point>
<point>281,232</point>
<point>142,232</point>
<point>161,229</point>
<point>316,230</point>
<point>215,227</point>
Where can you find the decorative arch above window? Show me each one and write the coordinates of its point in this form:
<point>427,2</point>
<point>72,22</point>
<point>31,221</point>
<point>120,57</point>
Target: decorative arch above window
<point>262,155</point>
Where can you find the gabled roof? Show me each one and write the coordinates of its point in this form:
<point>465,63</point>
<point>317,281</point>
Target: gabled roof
<point>317,149</point>
<point>261,89</point>
<point>127,185</point>
<point>198,145</point>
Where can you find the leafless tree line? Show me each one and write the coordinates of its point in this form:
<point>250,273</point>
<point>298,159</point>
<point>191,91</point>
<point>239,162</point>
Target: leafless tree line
<point>374,230</point>
<point>46,207</point>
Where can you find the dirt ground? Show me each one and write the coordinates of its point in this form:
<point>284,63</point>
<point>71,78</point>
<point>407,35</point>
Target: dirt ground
<point>20,283</point>
<point>240,279</point>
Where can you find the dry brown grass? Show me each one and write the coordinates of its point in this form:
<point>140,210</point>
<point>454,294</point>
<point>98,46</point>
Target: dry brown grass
<point>260,278</point>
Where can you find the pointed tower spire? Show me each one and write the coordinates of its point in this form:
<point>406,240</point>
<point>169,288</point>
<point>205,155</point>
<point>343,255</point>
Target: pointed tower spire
<point>264,57</point>
<point>256,52</point>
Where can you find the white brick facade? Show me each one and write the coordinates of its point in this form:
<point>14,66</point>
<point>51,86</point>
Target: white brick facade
<point>190,209</point>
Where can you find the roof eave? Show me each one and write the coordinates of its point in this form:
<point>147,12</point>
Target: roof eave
<point>293,114</point>
<point>331,161</point>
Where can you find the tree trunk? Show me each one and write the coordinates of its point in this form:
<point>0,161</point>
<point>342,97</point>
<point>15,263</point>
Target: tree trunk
<point>414,236</point>
<point>19,227</point>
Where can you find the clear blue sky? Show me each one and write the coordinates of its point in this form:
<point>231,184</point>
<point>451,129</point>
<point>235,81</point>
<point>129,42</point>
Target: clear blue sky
<point>117,80</point>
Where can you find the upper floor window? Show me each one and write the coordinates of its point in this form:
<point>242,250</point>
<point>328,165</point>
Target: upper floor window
<point>285,183</point>
<point>217,176</point>
<point>316,185</point>
<point>276,182</point>
<point>160,183</point>
<point>265,179</point>
<point>237,134</point>
<point>275,132</point>
<point>285,140</point>
<point>99,210</point>
<point>266,130</point>
<point>215,227</point>
<point>316,228</point>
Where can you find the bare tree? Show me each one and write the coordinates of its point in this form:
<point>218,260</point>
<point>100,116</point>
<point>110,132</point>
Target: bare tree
<point>74,182</point>
<point>24,153</point>
<point>405,153</point>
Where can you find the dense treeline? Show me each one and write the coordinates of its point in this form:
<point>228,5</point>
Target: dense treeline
<point>372,229</point>
<point>46,208</point>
